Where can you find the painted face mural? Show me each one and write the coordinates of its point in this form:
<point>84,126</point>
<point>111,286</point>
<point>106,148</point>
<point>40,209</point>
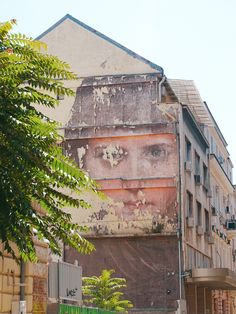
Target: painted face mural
<point>137,174</point>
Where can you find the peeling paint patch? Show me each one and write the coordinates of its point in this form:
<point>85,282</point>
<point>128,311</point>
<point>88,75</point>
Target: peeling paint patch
<point>117,121</point>
<point>162,223</point>
<point>81,152</point>
<point>113,154</point>
<point>100,215</point>
<point>99,94</point>
<point>113,91</point>
<point>140,88</point>
<point>137,215</point>
<point>83,124</point>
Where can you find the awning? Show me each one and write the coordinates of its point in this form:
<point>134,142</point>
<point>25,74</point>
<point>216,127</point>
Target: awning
<point>213,278</point>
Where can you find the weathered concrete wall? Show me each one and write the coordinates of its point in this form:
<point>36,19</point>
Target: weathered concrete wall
<point>120,100</point>
<point>126,140</point>
<point>138,174</point>
<point>131,211</point>
<point>130,157</point>
<point>150,265</point>
<point>113,100</point>
<point>35,279</point>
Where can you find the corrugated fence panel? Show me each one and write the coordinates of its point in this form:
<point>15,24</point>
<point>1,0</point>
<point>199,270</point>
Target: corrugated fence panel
<point>70,282</point>
<point>53,280</point>
<point>65,281</point>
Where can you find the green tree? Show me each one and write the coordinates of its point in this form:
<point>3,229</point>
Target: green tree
<point>103,292</point>
<point>33,169</point>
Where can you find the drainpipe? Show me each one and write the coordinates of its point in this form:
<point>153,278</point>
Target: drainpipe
<point>179,234</point>
<point>22,287</point>
<point>159,88</point>
<point>22,281</point>
<point>181,231</point>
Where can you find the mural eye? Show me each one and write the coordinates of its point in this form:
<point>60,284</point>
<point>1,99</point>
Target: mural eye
<point>156,151</point>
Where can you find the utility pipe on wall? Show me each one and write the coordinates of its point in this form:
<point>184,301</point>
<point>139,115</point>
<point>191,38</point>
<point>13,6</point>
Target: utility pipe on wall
<point>181,230</point>
<point>22,281</point>
<point>179,234</point>
<point>22,288</point>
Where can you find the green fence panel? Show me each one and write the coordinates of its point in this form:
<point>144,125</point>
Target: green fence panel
<point>72,309</point>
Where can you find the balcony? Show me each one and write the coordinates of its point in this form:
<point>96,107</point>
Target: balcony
<point>215,278</point>
<point>231,228</point>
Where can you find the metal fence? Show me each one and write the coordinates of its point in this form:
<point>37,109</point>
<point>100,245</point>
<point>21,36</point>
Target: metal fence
<point>72,309</point>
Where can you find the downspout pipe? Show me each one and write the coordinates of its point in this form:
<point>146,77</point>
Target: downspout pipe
<point>22,281</point>
<point>181,215</point>
<point>159,88</point>
<point>179,233</point>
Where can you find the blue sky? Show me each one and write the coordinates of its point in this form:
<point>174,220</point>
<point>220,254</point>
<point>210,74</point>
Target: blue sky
<point>190,39</point>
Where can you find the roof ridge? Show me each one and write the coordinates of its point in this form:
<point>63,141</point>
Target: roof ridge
<point>127,50</point>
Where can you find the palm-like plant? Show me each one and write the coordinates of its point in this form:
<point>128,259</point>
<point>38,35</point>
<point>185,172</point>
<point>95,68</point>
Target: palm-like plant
<point>104,292</point>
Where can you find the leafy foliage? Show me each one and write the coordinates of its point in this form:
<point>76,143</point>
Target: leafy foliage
<point>103,292</point>
<point>33,169</point>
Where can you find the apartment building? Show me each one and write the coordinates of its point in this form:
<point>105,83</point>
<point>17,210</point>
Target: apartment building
<point>210,230</point>
<point>159,156</point>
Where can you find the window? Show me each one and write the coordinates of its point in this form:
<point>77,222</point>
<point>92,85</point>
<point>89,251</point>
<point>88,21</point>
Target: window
<point>217,197</point>
<point>191,262</point>
<point>212,145</point>
<point>206,132</point>
<point>197,164</point>
<point>188,150</point>
<point>189,203</point>
<point>207,224</point>
<point>205,176</point>
<point>216,151</point>
<point>199,214</point>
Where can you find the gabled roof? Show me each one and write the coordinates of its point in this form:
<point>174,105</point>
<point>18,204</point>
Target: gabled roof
<point>111,41</point>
